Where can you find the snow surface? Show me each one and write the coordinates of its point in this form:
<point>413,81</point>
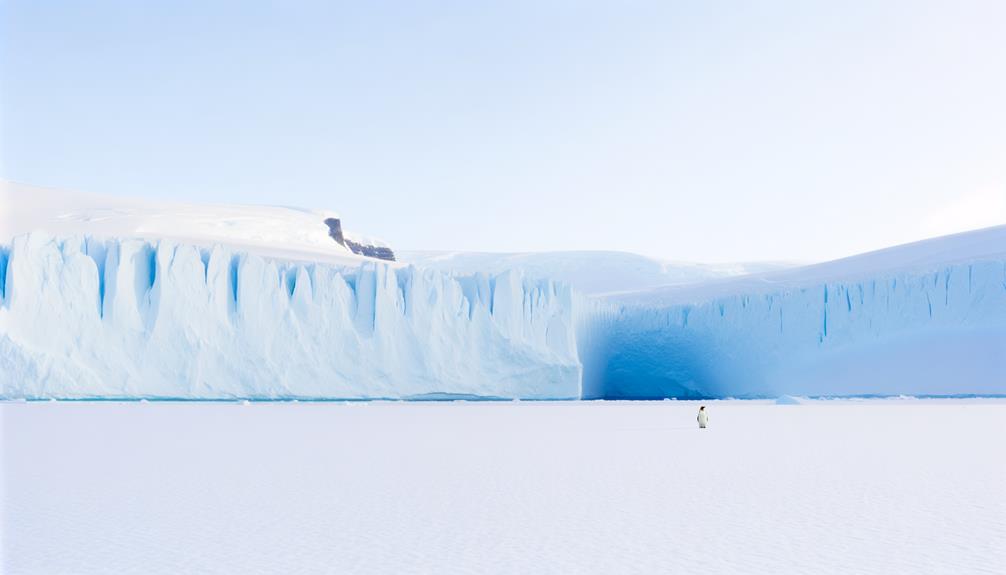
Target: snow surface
<point>272,231</point>
<point>82,318</point>
<point>588,272</point>
<point>931,255</point>
<point>927,318</point>
<point>869,487</point>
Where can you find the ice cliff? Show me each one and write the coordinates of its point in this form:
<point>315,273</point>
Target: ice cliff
<point>82,317</point>
<point>106,297</point>
<point>925,318</point>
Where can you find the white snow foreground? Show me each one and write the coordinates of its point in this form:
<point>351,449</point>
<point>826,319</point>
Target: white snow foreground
<point>927,318</point>
<point>87,318</point>
<point>874,487</point>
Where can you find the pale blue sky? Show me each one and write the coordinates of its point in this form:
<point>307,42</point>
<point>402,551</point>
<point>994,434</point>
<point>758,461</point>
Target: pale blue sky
<point>707,130</point>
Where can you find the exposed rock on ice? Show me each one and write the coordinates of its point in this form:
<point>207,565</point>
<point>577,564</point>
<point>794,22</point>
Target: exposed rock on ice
<point>359,247</point>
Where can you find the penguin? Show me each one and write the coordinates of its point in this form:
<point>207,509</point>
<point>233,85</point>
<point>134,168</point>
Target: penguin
<point>703,417</point>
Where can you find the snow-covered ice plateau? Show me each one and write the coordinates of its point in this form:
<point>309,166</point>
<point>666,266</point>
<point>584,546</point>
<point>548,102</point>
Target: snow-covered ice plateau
<point>112,298</point>
<point>927,318</point>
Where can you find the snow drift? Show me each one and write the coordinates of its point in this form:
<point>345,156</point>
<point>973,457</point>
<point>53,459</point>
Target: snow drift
<point>82,317</point>
<point>924,318</point>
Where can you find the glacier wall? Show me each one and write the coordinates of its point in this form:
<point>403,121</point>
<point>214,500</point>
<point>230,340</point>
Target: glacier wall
<point>931,331</point>
<point>85,318</point>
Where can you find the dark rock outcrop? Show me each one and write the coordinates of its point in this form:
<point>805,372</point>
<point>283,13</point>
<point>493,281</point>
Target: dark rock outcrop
<point>335,230</point>
<point>380,252</point>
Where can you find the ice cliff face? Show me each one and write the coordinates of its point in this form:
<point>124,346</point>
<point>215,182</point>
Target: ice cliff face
<point>926,329</point>
<point>133,299</point>
<point>81,318</point>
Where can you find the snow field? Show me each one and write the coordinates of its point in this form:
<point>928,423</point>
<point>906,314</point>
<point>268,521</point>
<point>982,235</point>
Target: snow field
<point>875,486</point>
